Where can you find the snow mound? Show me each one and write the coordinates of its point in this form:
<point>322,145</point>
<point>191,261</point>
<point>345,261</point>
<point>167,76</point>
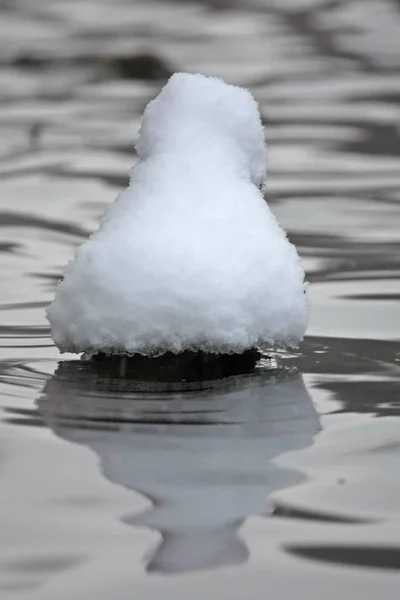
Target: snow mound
<point>189,256</point>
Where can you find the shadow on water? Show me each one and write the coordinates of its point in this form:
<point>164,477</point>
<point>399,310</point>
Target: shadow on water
<point>203,455</point>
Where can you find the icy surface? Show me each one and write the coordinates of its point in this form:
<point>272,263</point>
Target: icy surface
<point>189,256</point>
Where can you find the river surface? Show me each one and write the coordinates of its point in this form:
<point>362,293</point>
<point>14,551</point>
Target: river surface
<point>281,484</point>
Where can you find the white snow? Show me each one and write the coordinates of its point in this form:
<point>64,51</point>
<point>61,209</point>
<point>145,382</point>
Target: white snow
<point>189,256</point>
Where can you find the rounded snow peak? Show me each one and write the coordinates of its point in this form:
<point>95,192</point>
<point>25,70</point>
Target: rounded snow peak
<point>208,108</point>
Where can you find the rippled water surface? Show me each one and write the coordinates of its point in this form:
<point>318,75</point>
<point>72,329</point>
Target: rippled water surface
<point>284,483</point>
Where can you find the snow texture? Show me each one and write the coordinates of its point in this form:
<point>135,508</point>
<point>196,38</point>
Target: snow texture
<point>189,256</point>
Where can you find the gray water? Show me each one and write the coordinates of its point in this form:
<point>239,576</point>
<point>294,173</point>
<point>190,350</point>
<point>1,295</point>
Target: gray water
<point>281,484</point>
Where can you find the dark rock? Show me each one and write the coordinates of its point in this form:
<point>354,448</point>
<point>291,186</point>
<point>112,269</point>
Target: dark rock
<point>186,366</point>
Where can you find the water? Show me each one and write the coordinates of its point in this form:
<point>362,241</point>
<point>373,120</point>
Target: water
<point>284,483</point>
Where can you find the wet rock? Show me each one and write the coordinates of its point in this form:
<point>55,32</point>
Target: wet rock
<point>186,366</point>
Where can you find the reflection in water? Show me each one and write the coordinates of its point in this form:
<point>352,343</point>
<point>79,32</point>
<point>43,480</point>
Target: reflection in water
<point>203,457</point>
<point>380,398</point>
<point>360,556</point>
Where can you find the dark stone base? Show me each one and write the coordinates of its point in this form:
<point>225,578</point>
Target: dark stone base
<point>187,366</point>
